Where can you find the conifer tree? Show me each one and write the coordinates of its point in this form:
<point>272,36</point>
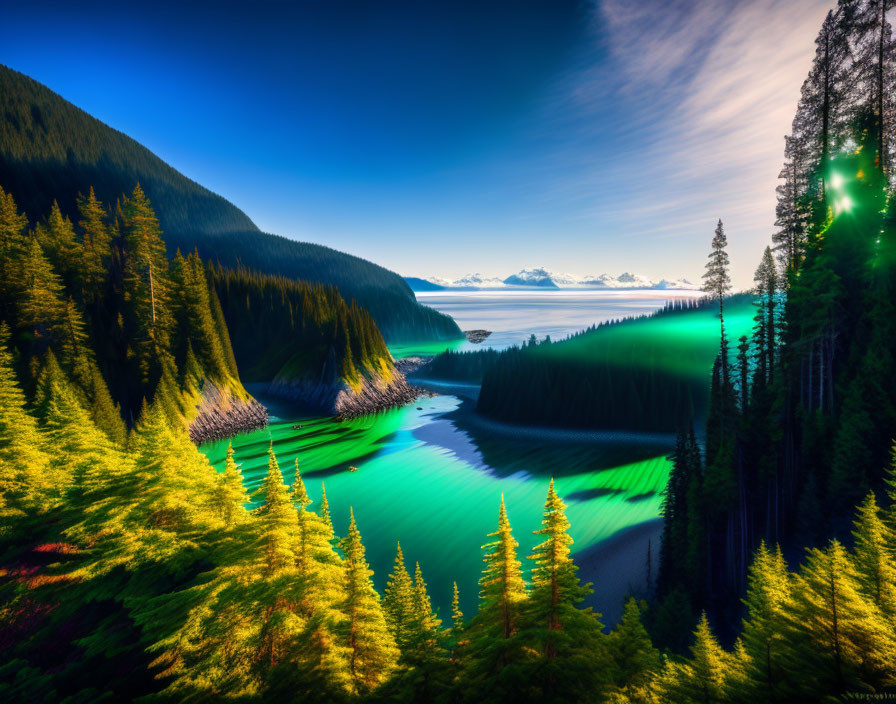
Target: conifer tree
<point>325,509</point>
<point>147,288</point>
<point>635,660</point>
<point>791,210</point>
<point>874,557</point>
<point>768,600</point>
<point>717,283</point>
<point>457,616</point>
<point>766,279</point>
<point>568,637</point>
<point>495,651</point>
<point>13,242</point>
<point>373,654</point>
<point>502,589</point>
<point>61,246</point>
<point>23,454</point>
<point>104,411</point>
<point>426,623</point>
<point>279,518</point>
<point>299,494</point>
<point>40,304</point>
<point>837,638</point>
<point>704,678</point>
<point>96,241</point>
<point>232,496</point>
<point>399,602</point>
<point>555,587</point>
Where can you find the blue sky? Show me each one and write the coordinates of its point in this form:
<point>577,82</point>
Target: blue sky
<point>442,138</point>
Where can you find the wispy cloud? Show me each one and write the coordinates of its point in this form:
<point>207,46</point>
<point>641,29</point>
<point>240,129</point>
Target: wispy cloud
<point>704,91</point>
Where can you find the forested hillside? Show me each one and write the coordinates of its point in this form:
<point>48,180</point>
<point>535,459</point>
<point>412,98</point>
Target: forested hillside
<point>97,301</point>
<point>645,373</point>
<point>96,305</point>
<point>302,325</point>
<point>50,151</point>
<point>802,420</point>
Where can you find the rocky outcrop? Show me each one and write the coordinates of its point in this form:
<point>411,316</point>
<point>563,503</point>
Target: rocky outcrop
<point>221,415</point>
<point>407,365</point>
<point>376,395</point>
<point>477,336</point>
<point>335,397</point>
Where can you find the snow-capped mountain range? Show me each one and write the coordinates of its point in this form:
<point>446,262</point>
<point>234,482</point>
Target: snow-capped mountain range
<point>545,278</point>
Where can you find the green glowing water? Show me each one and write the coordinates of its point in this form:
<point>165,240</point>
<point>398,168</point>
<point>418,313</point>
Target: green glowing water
<point>433,479</point>
<point>401,350</point>
<point>683,344</point>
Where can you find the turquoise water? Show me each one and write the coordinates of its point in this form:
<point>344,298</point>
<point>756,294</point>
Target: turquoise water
<point>431,475</point>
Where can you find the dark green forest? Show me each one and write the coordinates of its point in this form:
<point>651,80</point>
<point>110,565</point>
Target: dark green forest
<point>802,415</point>
<point>622,375</point>
<point>50,151</point>
<point>307,327</point>
<point>99,301</point>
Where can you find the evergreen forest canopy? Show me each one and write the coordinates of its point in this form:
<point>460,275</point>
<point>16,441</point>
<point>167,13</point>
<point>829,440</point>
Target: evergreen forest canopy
<point>50,151</point>
<point>98,301</point>
<point>132,569</point>
<point>645,373</point>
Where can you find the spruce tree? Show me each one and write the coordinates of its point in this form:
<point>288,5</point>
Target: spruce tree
<point>373,654</point>
<point>59,242</point>
<point>40,301</point>
<point>232,497</point>
<point>96,240</point>
<point>279,518</point>
<point>569,638</point>
<point>399,602</point>
<point>875,542</point>
<point>299,494</point>
<point>717,283</point>
<point>704,678</point>
<point>555,587</point>
<point>24,481</point>
<point>13,243</point>
<point>495,651</point>
<point>147,288</point>
<point>426,624</point>
<point>837,639</point>
<point>634,658</point>
<point>457,616</point>
<point>502,589</point>
<point>768,600</point>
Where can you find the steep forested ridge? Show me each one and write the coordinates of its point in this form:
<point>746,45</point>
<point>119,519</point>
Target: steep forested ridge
<point>306,327</point>
<point>96,304</point>
<point>129,327</point>
<point>51,151</point>
<point>802,418</point>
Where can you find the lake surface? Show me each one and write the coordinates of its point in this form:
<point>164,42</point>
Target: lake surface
<point>431,474</point>
<point>514,315</point>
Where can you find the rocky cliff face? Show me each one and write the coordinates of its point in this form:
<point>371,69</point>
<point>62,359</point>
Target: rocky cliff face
<point>333,396</point>
<point>221,415</point>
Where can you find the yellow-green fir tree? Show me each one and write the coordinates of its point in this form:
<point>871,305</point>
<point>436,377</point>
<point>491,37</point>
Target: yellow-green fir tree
<point>373,655</point>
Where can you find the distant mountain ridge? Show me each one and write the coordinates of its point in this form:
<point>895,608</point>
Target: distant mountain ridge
<point>52,149</point>
<point>547,279</point>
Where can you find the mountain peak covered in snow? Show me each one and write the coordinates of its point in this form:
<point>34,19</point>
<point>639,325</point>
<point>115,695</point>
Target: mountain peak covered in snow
<point>543,278</point>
